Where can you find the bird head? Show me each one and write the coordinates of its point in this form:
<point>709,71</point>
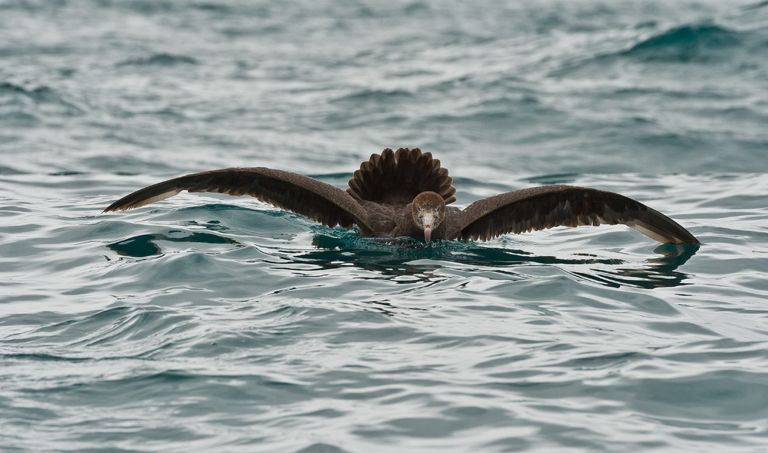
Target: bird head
<point>428,212</point>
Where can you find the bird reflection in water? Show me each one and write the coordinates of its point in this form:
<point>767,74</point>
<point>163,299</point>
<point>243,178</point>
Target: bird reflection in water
<point>146,244</point>
<point>397,257</point>
<point>657,273</point>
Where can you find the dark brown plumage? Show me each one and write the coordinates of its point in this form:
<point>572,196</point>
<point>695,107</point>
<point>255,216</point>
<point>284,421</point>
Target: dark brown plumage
<point>406,193</point>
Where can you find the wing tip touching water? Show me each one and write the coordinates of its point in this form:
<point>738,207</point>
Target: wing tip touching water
<point>670,232</point>
<point>143,197</point>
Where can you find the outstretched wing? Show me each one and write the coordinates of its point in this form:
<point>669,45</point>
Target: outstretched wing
<point>301,194</point>
<point>545,207</point>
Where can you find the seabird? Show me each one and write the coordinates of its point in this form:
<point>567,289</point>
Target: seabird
<point>407,193</point>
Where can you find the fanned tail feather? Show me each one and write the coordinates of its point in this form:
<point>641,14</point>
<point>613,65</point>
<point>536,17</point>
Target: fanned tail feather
<point>398,177</point>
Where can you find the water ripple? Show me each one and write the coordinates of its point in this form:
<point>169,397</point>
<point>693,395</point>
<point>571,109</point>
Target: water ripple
<point>213,323</point>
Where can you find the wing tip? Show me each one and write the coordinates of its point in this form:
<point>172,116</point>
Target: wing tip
<point>672,234</point>
<point>114,207</point>
<point>692,241</point>
<point>138,199</point>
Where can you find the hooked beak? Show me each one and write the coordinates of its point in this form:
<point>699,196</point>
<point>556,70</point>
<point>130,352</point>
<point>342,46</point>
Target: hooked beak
<point>428,221</point>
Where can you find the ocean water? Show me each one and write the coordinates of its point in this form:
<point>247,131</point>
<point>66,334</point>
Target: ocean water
<point>215,323</point>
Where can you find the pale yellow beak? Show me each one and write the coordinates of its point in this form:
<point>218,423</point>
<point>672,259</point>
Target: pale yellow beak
<point>428,221</point>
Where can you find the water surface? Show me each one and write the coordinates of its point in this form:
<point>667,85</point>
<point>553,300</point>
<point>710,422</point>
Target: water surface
<point>213,323</point>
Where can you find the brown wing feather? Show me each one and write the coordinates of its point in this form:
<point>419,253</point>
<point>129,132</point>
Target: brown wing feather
<point>398,177</point>
<point>301,194</point>
<point>545,207</point>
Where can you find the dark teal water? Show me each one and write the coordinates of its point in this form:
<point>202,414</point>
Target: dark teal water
<point>211,323</point>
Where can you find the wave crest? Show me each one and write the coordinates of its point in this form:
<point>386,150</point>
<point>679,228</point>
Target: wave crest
<point>687,42</point>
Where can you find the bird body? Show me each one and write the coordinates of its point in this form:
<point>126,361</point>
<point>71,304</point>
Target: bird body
<point>407,193</point>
